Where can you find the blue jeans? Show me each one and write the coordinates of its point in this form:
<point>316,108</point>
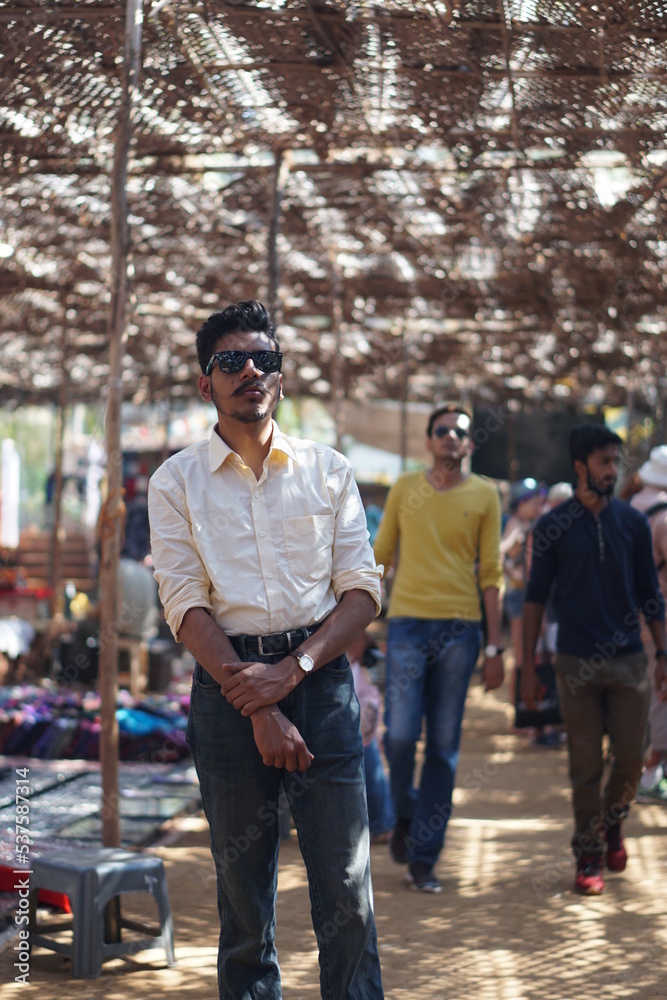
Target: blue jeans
<point>241,798</point>
<point>429,666</point>
<point>378,794</point>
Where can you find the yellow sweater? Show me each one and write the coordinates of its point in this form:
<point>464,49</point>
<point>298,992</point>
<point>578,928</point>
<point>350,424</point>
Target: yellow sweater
<point>447,542</point>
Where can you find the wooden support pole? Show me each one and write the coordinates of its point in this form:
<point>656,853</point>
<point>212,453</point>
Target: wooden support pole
<point>405,394</point>
<point>630,403</point>
<point>280,171</point>
<point>512,460</point>
<point>112,514</point>
<point>55,568</point>
<point>337,384</point>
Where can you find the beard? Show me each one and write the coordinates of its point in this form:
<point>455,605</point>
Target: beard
<point>601,489</point>
<point>265,406</point>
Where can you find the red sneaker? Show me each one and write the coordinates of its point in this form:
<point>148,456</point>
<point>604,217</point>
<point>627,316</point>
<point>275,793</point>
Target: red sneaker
<point>589,881</point>
<point>617,856</point>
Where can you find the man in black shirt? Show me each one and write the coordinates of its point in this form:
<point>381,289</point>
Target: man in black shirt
<point>597,551</point>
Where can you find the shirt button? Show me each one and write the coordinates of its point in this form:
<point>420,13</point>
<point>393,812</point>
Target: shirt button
<point>270,576</point>
<point>261,534</point>
<point>256,494</point>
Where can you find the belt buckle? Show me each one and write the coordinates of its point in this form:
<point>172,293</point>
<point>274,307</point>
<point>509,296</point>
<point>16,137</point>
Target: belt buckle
<point>274,642</point>
<point>275,647</point>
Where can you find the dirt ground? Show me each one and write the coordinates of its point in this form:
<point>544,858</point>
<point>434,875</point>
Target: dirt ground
<point>506,927</point>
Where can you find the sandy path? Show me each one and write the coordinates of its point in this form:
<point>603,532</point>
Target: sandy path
<point>506,927</point>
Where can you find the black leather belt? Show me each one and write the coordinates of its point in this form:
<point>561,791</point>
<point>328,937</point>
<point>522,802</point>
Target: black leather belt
<point>275,644</point>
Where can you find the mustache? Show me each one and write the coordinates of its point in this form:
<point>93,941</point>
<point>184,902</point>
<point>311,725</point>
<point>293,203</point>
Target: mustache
<point>602,489</point>
<point>252,385</point>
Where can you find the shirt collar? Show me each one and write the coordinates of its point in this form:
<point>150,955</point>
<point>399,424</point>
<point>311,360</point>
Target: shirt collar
<point>219,451</point>
<point>280,442</point>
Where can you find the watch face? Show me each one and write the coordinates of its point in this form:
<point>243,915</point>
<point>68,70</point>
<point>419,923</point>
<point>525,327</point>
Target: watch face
<point>306,662</point>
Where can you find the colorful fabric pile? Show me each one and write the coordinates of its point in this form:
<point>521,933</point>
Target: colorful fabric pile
<point>50,724</point>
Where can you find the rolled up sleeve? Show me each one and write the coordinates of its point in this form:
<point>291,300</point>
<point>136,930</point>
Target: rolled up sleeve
<point>354,565</point>
<point>182,579</point>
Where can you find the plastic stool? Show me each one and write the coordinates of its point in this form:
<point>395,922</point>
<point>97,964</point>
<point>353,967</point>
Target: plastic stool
<point>93,880</point>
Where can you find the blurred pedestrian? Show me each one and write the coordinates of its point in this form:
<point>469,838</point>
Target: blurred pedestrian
<point>443,527</point>
<point>525,505</point>
<point>378,794</point>
<point>597,551</point>
<point>651,500</point>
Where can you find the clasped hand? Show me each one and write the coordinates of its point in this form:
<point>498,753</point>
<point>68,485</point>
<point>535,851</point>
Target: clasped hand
<point>254,689</point>
<point>249,686</point>
<point>278,740</point>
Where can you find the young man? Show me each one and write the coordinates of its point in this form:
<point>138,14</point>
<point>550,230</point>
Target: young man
<point>597,551</point>
<point>266,574</point>
<point>445,526</point>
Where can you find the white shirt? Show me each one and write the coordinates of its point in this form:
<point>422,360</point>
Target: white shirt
<point>263,555</point>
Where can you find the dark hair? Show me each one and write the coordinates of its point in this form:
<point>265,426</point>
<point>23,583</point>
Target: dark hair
<point>447,408</point>
<point>239,317</point>
<point>587,438</point>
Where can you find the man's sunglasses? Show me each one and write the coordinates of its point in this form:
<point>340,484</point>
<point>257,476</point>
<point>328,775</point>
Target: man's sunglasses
<point>234,361</point>
<point>441,432</point>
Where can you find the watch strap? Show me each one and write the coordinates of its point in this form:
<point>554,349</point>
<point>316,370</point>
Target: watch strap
<point>309,660</point>
<point>491,646</point>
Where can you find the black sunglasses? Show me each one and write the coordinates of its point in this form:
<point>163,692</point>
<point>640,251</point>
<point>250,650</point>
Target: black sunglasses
<point>234,361</point>
<point>441,432</point>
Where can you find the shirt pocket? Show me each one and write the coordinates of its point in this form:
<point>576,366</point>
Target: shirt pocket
<point>309,547</point>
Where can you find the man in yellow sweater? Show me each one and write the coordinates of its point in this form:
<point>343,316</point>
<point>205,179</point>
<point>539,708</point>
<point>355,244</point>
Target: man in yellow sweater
<point>444,527</point>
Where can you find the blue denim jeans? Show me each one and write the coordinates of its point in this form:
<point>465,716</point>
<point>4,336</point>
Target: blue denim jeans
<point>242,802</point>
<point>429,666</point>
<point>381,817</point>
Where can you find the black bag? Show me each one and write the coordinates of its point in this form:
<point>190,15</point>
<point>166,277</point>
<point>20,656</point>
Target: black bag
<point>547,712</point>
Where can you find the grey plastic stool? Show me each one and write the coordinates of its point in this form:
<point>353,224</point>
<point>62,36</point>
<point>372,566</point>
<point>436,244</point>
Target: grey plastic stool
<point>93,879</point>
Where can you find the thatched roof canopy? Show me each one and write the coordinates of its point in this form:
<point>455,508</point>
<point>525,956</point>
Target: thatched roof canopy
<point>472,191</point>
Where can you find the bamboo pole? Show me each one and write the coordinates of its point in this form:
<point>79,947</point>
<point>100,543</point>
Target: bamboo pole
<point>55,569</point>
<point>512,460</point>
<point>337,385</point>
<point>280,171</point>
<point>405,395</point>
<point>112,514</point>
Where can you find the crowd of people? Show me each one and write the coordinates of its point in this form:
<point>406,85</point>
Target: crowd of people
<point>265,571</point>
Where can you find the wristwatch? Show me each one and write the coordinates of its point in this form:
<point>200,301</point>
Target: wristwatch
<point>306,662</point>
<point>492,650</point>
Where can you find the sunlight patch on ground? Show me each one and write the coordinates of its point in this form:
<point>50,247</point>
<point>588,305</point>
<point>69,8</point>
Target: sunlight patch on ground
<point>291,877</point>
<point>507,824</point>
